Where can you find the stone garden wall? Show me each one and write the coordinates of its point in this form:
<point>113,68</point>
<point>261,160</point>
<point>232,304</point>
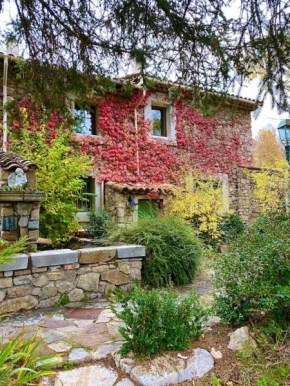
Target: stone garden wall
<point>242,199</point>
<point>41,279</point>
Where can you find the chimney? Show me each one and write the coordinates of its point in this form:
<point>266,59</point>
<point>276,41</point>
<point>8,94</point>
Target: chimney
<point>135,67</point>
<point>13,49</point>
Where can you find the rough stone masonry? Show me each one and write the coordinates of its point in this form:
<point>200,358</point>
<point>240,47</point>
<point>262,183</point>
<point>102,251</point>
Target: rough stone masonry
<point>41,279</point>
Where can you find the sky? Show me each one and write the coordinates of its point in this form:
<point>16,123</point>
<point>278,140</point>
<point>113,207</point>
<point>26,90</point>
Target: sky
<point>267,115</point>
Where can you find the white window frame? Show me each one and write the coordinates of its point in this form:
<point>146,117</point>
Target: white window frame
<point>170,121</point>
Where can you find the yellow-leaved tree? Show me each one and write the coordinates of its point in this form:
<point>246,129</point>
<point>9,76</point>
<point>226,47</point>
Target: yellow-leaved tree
<point>200,202</point>
<point>267,149</point>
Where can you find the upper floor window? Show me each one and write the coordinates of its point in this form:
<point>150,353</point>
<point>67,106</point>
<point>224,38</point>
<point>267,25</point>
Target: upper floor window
<point>159,121</point>
<point>86,120</point>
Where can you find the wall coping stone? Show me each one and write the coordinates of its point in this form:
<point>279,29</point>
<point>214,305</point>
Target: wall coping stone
<point>69,257</point>
<point>18,262</point>
<point>130,251</point>
<point>21,196</point>
<point>54,257</point>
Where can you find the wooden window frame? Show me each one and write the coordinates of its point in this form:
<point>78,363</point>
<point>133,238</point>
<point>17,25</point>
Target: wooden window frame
<point>163,110</point>
<point>90,204</point>
<point>93,110</point>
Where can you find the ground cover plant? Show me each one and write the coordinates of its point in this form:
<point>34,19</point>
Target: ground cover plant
<point>254,275</point>
<point>172,250</point>
<point>21,362</point>
<point>157,320</point>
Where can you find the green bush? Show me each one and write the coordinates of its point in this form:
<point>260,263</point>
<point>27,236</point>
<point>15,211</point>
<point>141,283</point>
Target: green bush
<point>157,320</point>
<point>231,226</point>
<point>172,251</point>
<point>255,273</point>
<point>21,363</point>
<point>99,225</point>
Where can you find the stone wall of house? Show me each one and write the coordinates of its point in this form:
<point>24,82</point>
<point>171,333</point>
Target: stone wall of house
<point>41,279</point>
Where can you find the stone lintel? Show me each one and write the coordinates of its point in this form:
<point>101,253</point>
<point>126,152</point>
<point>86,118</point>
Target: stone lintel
<point>21,196</point>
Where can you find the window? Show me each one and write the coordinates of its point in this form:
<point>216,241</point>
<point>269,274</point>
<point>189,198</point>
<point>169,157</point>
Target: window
<point>86,120</point>
<point>158,116</point>
<point>148,208</point>
<point>86,199</point>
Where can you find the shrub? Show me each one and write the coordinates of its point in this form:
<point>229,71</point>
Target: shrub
<point>99,225</point>
<point>199,202</point>
<point>60,167</point>
<point>21,363</point>
<point>172,251</point>
<point>255,273</point>
<point>157,320</point>
<point>231,226</point>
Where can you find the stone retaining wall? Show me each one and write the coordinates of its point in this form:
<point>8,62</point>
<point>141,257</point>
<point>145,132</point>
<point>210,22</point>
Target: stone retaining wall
<point>41,279</point>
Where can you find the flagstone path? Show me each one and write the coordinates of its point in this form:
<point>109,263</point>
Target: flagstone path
<point>83,333</point>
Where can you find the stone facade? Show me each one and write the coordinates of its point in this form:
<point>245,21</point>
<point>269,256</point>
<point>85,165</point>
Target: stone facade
<point>117,206</point>
<point>41,279</point>
<point>234,121</point>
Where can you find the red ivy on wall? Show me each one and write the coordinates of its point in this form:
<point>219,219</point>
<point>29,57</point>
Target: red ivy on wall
<point>202,143</point>
<point>209,145</point>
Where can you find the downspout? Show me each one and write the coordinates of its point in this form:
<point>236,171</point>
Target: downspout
<point>5,77</point>
<point>136,129</point>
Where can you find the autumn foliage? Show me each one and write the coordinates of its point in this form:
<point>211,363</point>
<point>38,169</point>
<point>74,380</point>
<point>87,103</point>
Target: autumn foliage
<point>267,149</point>
<point>201,143</point>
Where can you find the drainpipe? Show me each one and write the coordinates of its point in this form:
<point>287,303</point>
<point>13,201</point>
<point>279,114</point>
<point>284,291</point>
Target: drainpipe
<point>136,129</point>
<point>5,77</point>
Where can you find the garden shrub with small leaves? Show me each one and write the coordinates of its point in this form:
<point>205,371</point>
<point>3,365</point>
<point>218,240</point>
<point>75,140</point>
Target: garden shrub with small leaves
<point>157,320</point>
<point>99,225</point>
<point>172,250</point>
<point>231,226</point>
<point>254,275</point>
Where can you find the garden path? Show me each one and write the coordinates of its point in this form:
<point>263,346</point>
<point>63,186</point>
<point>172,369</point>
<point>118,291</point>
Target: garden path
<point>83,333</point>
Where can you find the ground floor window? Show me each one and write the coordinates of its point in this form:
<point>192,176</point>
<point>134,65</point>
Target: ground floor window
<point>148,208</point>
<point>85,202</point>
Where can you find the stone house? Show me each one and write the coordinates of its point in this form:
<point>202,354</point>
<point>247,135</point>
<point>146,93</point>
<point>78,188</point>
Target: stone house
<point>142,143</point>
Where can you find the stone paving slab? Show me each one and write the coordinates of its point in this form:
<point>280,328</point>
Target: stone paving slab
<point>83,313</point>
<point>87,376</point>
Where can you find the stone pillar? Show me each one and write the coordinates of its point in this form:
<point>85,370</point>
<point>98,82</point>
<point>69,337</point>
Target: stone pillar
<point>19,205</point>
